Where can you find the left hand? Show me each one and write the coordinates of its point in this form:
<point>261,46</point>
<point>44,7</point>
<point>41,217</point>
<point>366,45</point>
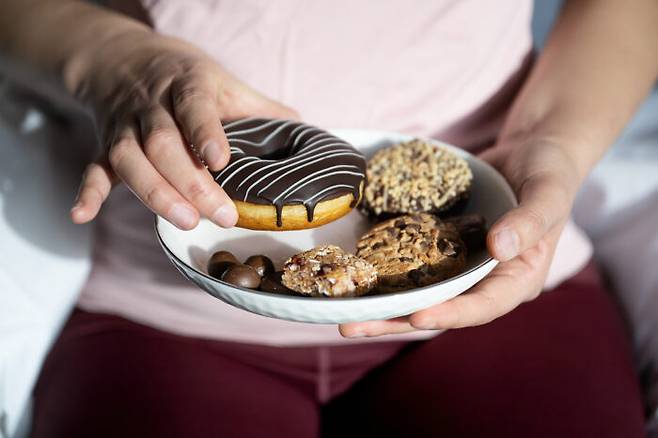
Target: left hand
<point>545,181</point>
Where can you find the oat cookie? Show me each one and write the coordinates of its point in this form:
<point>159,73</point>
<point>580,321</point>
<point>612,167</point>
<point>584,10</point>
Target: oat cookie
<point>412,251</point>
<point>415,177</point>
<point>328,271</point>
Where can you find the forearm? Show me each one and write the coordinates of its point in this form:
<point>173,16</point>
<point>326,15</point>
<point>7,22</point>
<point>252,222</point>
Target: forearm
<point>599,63</point>
<point>59,39</point>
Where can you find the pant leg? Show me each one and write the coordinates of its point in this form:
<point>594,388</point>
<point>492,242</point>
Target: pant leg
<point>559,366</point>
<point>109,377</point>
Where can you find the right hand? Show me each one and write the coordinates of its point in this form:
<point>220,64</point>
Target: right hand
<point>152,97</point>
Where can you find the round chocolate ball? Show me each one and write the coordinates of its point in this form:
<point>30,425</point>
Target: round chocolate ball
<point>262,264</point>
<point>272,283</point>
<point>241,275</point>
<point>219,262</point>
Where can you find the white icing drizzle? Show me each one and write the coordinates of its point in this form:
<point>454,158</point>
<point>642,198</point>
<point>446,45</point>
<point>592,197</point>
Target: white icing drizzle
<point>298,167</point>
<point>335,186</point>
<point>238,122</point>
<point>316,176</point>
<point>281,165</point>
<point>301,174</point>
<point>261,143</point>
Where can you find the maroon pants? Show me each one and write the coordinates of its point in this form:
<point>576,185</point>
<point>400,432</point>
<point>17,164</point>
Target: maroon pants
<point>556,367</point>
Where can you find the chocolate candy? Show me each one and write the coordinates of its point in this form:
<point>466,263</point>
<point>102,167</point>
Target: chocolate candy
<point>241,275</point>
<point>272,283</point>
<point>262,264</point>
<point>219,262</point>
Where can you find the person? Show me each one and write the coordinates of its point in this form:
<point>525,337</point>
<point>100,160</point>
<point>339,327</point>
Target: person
<point>146,354</point>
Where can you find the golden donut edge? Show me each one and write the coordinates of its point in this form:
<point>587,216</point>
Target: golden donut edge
<point>293,217</point>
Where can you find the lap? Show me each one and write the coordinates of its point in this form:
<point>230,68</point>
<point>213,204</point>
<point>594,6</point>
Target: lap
<point>144,383</point>
<point>558,366</point>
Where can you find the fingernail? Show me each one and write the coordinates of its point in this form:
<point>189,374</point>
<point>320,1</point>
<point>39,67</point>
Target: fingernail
<point>182,216</point>
<point>225,216</point>
<point>507,244</point>
<point>356,334</point>
<point>212,153</point>
<point>75,211</point>
<point>423,324</point>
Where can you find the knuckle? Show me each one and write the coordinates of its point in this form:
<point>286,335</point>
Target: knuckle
<point>492,306</point>
<point>536,220</point>
<point>421,321</point>
<point>159,140</point>
<point>199,134</point>
<point>457,317</point>
<point>198,191</point>
<point>93,192</point>
<point>187,96</point>
<point>118,153</point>
<point>155,196</point>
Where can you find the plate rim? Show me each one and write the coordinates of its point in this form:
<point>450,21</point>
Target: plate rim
<point>488,260</point>
<point>212,279</point>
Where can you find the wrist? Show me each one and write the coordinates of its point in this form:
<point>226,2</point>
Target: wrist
<point>560,133</point>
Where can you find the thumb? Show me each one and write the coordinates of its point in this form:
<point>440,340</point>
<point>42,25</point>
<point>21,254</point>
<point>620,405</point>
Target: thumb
<point>261,106</point>
<point>250,103</point>
<point>544,202</point>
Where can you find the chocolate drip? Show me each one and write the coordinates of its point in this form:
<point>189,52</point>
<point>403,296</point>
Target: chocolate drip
<point>279,211</point>
<point>281,162</point>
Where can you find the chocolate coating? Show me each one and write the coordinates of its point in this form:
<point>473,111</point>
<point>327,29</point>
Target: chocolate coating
<point>272,283</point>
<point>262,264</point>
<point>219,262</point>
<point>241,275</point>
<point>283,162</point>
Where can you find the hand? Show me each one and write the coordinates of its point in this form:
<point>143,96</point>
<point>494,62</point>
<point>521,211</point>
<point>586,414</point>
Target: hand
<point>524,240</point>
<point>152,98</point>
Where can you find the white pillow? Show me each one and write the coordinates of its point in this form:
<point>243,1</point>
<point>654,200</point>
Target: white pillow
<point>44,258</point>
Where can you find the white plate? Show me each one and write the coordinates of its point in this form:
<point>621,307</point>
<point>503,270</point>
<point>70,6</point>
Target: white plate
<point>189,251</point>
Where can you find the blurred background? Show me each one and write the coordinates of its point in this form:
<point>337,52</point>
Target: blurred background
<point>44,259</point>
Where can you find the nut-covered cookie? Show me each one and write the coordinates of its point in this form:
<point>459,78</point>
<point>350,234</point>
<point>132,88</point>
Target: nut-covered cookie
<point>328,271</point>
<point>412,251</point>
<point>415,177</point>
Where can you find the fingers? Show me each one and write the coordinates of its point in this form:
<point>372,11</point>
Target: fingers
<point>131,165</point>
<point>544,202</point>
<point>376,328</point>
<point>97,181</point>
<point>164,148</point>
<point>198,109</point>
<point>155,160</point>
<point>195,107</point>
<point>509,284</point>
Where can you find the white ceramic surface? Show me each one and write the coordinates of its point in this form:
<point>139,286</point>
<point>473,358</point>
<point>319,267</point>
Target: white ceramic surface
<point>189,251</point>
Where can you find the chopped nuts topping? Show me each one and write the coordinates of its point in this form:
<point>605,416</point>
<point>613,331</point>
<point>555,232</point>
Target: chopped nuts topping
<point>329,271</point>
<point>415,177</point>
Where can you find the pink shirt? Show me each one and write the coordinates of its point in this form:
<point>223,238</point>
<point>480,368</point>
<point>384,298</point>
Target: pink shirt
<point>440,68</point>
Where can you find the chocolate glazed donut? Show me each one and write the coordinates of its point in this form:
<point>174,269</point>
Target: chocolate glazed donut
<point>280,170</point>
